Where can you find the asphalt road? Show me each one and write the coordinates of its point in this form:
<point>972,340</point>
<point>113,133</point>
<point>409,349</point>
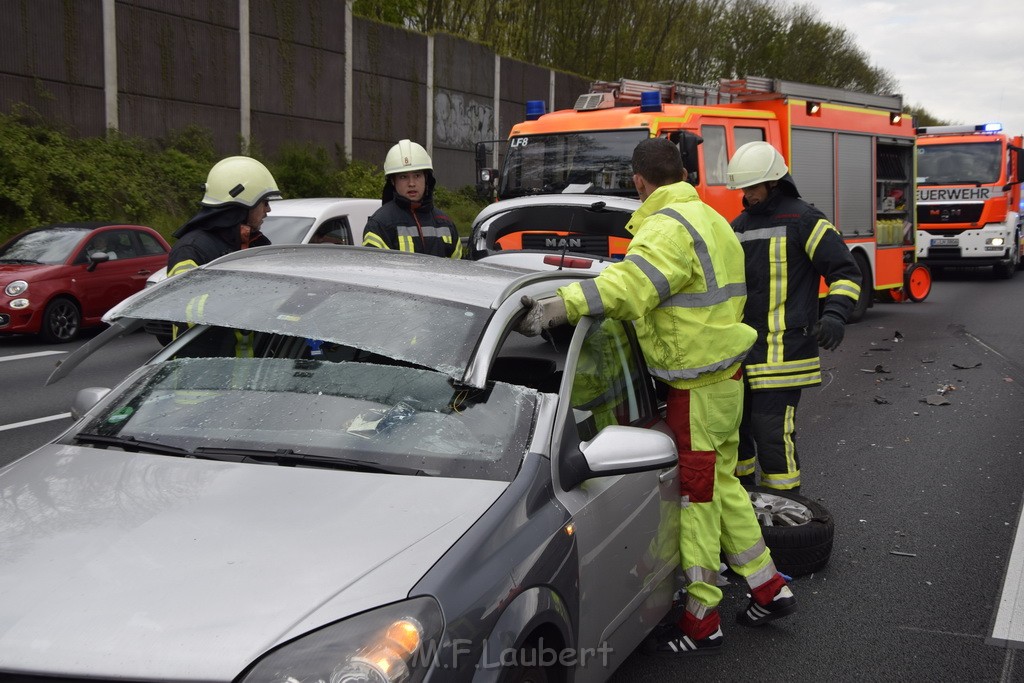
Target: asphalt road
<point>926,498</point>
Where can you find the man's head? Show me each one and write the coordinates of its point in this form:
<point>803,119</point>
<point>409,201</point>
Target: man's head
<point>755,168</point>
<point>656,162</point>
<point>407,167</point>
<point>242,181</point>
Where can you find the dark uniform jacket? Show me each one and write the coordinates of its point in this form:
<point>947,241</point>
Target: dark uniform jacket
<point>211,233</point>
<point>416,227</point>
<point>789,246</point>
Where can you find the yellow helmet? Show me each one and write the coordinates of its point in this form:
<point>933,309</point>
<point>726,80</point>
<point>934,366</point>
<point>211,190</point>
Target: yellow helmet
<point>407,156</point>
<point>239,180</point>
<point>755,163</point>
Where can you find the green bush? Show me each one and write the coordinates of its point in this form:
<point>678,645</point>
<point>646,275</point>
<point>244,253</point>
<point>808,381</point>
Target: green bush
<point>51,176</point>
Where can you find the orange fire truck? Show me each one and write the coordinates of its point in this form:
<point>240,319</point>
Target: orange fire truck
<point>968,197</point>
<point>851,155</point>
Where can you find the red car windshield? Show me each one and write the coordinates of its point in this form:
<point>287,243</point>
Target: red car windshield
<point>48,246</point>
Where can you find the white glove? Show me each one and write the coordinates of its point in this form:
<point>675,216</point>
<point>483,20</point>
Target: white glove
<point>541,314</point>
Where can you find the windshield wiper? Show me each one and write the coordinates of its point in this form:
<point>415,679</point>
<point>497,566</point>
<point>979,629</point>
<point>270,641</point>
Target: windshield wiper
<point>131,444</point>
<point>24,261</point>
<point>288,457</point>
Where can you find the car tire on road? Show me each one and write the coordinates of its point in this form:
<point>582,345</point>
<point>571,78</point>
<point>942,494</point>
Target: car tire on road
<point>61,320</point>
<point>799,531</point>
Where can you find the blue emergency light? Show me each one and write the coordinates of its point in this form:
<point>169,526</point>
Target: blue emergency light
<point>535,109</point>
<point>990,127</point>
<point>650,100</point>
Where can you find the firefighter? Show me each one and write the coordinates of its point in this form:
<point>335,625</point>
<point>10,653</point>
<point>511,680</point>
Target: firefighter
<point>408,220</point>
<point>789,246</point>
<point>682,283</point>
<point>237,198</point>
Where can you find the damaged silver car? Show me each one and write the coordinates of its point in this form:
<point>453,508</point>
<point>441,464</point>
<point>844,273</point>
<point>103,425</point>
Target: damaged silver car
<point>350,468</point>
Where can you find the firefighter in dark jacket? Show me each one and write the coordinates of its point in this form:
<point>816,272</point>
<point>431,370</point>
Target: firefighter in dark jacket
<point>237,199</point>
<point>789,245</point>
<point>408,219</point>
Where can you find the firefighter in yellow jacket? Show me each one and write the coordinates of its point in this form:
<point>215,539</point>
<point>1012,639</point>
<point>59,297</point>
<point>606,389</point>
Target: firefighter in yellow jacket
<point>682,282</point>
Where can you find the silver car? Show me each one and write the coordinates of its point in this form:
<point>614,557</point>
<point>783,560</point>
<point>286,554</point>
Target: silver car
<point>350,468</point>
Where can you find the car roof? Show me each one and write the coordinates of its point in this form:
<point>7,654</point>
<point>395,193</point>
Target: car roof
<point>583,201</point>
<point>316,207</point>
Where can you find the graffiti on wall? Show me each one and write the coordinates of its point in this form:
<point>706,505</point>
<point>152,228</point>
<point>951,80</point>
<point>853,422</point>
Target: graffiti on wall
<point>461,122</point>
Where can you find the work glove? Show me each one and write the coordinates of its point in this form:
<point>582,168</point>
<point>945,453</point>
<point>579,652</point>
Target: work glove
<point>541,314</point>
<point>829,331</point>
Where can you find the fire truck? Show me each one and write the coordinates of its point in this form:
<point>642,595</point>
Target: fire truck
<point>968,197</point>
<point>851,155</point>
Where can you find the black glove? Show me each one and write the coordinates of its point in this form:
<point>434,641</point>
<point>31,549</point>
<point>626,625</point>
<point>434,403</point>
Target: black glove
<point>829,331</point>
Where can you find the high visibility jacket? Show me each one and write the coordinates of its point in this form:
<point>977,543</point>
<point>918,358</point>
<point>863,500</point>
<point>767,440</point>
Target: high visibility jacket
<point>416,227</point>
<point>682,282</point>
<point>789,247</point>
<point>210,234</point>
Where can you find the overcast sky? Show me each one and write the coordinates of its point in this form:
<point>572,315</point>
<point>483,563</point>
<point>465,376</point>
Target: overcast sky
<point>961,61</point>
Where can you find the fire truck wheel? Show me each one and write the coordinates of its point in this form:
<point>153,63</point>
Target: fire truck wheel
<point>798,530</point>
<point>917,282</point>
<point>1008,268</point>
<point>866,288</point>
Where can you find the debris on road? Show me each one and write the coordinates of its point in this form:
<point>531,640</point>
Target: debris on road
<point>902,554</point>
<point>935,401</point>
<point>879,369</point>
<point>882,401</point>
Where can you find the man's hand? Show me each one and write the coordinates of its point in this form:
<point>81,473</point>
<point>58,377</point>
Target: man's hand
<point>829,331</point>
<point>541,314</point>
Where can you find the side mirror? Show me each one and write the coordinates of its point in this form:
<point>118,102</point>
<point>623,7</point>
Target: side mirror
<point>688,150</point>
<point>85,399</point>
<point>96,258</point>
<point>618,450</point>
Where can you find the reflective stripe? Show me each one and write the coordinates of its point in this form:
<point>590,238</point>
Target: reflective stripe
<point>788,429</point>
<point>458,249</point>
<point>243,344</point>
<point>405,243</point>
<point>789,366</point>
<point>791,382</point>
<point>820,228</point>
<point>778,284</point>
<point>694,373</point>
<point>746,556</point>
<point>702,574</point>
<point>782,482</point>
<point>762,575</point>
<point>845,288</point>
<point>762,234</point>
<point>427,231</point>
<point>745,467</point>
<point>704,299</point>
<point>696,608</point>
<point>372,239</point>
<point>658,280</point>
<point>195,308</point>
<point>181,267</point>
<point>593,297</point>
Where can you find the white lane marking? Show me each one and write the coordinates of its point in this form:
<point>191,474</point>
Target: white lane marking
<point>1008,629</point>
<point>38,420</point>
<point>37,354</point>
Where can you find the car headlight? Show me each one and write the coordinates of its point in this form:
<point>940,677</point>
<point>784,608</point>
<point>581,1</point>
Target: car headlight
<point>393,644</point>
<point>18,304</point>
<point>15,288</point>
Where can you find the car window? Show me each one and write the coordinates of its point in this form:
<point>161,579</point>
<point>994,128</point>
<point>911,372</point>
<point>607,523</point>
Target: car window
<point>286,229</point>
<point>149,246</point>
<point>610,384</point>
<point>334,231</point>
<point>381,415</point>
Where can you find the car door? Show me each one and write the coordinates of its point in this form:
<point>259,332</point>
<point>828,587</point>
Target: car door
<point>129,263</point>
<point>627,526</point>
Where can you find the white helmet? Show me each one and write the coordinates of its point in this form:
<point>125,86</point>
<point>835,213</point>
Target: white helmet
<point>407,156</point>
<point>755,163</point>
<point>239,180</point>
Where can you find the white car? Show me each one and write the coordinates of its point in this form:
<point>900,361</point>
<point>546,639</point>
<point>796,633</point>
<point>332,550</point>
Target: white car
<point>321,220</point>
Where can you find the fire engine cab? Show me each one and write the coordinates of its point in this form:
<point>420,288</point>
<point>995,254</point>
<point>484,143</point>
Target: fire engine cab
<point>851,155</point>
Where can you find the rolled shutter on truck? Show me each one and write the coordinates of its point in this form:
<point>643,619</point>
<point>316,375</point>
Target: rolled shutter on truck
<point>856,210</point>
<point>813,169</point>
<point>821,161</point>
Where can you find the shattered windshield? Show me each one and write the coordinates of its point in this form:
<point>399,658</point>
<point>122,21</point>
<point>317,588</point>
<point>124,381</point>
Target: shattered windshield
<point>574,163</point>
<point>426,331</point>
<point>959,164</point>
<point>318,412</point>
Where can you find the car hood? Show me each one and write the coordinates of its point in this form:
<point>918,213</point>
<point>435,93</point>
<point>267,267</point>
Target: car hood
<point>146,566</point>
<point>24,271</point>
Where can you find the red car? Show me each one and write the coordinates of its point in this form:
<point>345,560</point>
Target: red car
<point>60,278</point>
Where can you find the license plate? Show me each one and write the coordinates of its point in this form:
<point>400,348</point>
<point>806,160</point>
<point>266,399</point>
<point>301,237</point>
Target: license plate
<point>945,242</point>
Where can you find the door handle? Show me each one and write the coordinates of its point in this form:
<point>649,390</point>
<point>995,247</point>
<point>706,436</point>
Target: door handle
<point>145,272</point>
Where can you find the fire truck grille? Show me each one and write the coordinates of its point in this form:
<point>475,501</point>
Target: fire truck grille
<point>948,213</point>
<point>944,252</point>
<point>596,245</point>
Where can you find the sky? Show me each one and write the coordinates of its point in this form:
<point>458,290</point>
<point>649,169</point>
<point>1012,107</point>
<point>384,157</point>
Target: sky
<point>961,61</point>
